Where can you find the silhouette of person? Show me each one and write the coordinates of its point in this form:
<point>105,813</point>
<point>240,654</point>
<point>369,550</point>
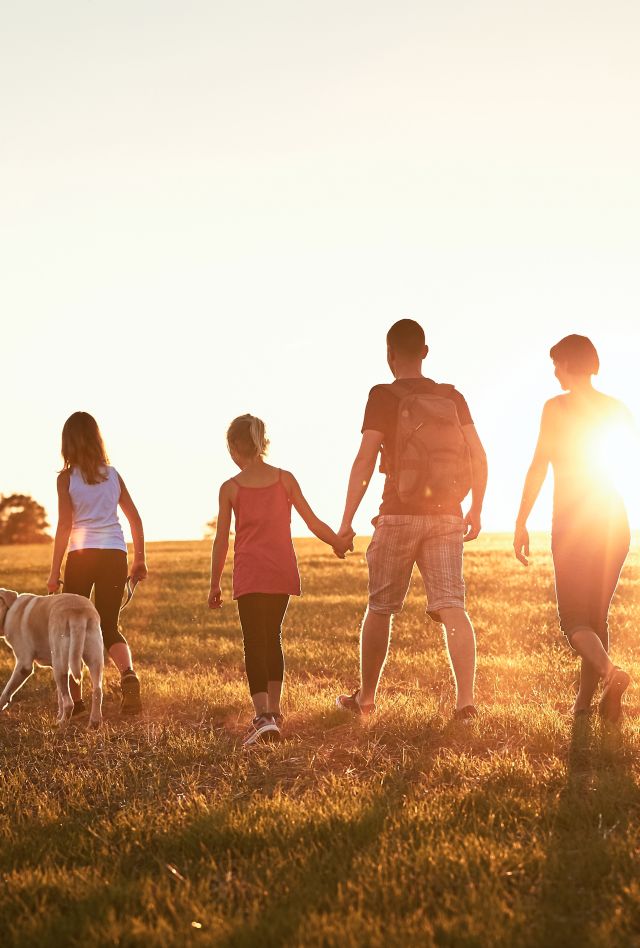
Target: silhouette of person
<point>582,435</point>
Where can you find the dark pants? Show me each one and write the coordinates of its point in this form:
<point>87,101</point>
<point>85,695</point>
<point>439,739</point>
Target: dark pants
<point>588,556</point>
<point>106,570</point>
<point>261,616</point>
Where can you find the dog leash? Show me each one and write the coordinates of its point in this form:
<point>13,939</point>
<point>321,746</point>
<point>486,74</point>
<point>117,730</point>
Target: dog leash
<point>131,588</point>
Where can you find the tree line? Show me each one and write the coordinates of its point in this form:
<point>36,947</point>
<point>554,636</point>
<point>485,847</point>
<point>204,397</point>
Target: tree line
<point>22,520</point>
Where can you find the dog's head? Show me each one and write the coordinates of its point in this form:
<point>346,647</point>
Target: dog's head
<point>7,599</point>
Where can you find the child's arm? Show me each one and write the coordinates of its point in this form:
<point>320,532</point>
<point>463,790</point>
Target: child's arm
<point>318,527</point>
<point>139,568</point>
<point>63,531</point>
<point>220,546</point>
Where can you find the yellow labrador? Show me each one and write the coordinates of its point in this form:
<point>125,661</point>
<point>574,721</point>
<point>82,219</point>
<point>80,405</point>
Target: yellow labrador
<point>57,631</point>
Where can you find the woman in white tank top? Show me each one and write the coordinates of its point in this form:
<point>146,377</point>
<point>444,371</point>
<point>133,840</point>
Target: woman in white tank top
<point>89,493</point>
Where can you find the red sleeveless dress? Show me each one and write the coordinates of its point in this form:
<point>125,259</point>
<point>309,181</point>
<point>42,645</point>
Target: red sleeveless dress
<point>264,560</point>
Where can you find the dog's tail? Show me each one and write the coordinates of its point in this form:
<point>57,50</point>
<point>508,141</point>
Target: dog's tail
<point>77,632</point>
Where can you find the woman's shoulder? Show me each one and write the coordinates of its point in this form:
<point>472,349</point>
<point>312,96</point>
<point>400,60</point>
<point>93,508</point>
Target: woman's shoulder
<point>616,406</point>
<point>553,407</point>
<point>556,402</point>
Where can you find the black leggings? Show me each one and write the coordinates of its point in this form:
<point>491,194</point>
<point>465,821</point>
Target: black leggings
<point>587,560</point>
<point>107,571</point>
<point>261,616</point>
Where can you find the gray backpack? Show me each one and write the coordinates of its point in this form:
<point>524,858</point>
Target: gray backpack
<point>432,459</point>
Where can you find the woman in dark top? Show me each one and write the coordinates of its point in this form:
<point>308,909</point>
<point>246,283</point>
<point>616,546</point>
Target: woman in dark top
<point>581,435</point>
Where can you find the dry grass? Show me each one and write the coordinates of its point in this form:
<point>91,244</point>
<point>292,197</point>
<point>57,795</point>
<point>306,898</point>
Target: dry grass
<point>409,830</point>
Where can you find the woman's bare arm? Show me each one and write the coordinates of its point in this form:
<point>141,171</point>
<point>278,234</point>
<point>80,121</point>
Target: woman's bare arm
<point>63,531</point>
<point>139,567</point>
<point>533,483</point>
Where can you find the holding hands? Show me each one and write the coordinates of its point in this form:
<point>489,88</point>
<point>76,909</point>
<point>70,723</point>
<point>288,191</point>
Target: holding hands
<point>344,543</point>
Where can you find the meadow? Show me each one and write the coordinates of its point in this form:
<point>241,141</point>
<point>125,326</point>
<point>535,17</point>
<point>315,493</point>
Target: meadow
<point>517,830</point>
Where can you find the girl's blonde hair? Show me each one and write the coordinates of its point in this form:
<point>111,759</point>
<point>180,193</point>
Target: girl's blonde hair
<point>83,447</point>
<point>247,436</point>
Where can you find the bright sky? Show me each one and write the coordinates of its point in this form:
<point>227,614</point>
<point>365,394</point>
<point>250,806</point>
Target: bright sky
<point>213,208</point>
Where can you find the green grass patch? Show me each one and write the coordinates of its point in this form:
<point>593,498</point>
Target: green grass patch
<point>518,830</point>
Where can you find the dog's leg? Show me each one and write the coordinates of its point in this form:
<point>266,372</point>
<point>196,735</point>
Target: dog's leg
<point>17,679</point>
<point>94,659</point>
<point>64,695</point>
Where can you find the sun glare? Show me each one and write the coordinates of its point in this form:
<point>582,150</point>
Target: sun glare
<point>615,450</point>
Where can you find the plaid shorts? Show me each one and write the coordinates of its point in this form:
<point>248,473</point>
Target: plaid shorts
<point>434,542</point>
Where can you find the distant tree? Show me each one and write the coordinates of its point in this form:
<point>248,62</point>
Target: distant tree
<point>212,526</point>
<point>22,520</point>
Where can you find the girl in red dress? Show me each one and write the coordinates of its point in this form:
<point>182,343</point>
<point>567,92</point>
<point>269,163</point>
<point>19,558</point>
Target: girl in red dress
<point>265,570</point>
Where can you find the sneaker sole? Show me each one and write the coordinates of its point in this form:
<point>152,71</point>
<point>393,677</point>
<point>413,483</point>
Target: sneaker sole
<point>610,705</point>
<point>131,703</point>
<point>266,735</point>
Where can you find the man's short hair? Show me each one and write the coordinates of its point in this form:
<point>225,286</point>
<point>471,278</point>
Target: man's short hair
<point>406,337</point>
<point>578,353</point>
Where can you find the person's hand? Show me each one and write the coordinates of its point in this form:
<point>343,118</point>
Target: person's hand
<point>139,571</point>
<point>345,542</point>
<point>215,598</point>
<point>472,525</point>
<point>53,583</point>
<point>521,544</point>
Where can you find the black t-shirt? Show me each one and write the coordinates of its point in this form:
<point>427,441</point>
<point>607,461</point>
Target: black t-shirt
<point>381,414</point>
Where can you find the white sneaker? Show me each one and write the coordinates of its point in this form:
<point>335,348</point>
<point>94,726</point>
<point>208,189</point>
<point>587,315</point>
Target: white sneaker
<point>262,729</point>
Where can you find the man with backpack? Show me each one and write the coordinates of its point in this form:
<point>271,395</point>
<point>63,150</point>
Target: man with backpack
<point>431,456</point>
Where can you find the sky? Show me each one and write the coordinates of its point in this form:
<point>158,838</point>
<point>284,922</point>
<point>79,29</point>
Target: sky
<point>209,208</point>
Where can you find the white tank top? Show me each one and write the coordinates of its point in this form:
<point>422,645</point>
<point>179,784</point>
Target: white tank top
<point>95,523</point>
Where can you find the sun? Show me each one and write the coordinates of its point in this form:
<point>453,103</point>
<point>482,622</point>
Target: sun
<point>614,457</point>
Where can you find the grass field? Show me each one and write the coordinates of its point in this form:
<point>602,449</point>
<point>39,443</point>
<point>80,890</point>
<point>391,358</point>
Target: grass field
<point>409,830</point>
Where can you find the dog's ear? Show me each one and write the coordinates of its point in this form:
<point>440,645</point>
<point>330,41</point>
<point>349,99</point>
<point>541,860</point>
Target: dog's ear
<point>8,597</point>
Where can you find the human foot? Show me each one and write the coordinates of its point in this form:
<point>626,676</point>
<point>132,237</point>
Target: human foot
<point>465,714</point>
<point>615,685</point>
<point>352,703</point>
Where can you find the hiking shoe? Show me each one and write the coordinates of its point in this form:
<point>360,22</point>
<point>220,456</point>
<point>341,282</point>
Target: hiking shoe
<point>279,719</point>
<point>615,685</point>
<point>79,707</point>
<point>351,703</point>
<point>466,714</point>
<point>263,729</point>
<point>130,688</point>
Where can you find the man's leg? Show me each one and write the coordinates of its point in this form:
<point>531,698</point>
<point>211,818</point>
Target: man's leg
<point>440,559</point>
<point>461,646</point>
<point>374,646</point>
<point>390,560</point>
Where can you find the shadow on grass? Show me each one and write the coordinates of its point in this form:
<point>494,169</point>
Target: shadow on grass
<point>263,878</point>
<point>587,861</point>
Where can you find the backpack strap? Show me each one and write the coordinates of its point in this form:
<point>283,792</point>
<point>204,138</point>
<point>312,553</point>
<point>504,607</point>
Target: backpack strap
<point>399,389</point>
